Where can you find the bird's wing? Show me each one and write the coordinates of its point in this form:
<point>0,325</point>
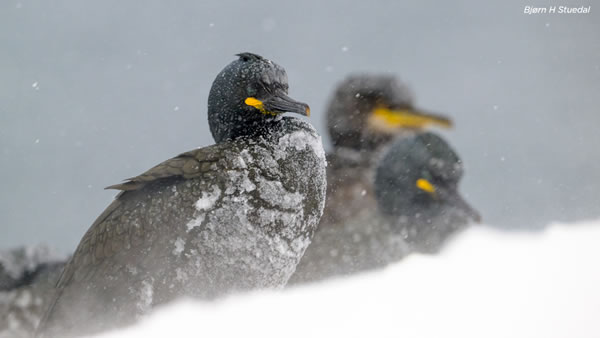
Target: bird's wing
<point>91,250</point>
<point>68,271</point>
<point>186,165</point>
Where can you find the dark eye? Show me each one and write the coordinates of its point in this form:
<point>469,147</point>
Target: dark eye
<point>426,175</point>
<point>251,91</point>
<point>245,58</point>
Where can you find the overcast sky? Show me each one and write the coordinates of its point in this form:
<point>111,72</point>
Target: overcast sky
<point>95,92</point>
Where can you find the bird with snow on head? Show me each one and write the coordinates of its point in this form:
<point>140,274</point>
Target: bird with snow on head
<point>226,218</point>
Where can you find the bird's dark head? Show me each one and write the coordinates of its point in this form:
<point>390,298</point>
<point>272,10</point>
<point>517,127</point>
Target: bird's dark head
<point>416,185</point>
<point>368,110</point>
<point>247,94</point>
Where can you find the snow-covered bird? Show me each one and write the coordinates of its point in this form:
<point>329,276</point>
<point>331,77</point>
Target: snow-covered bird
<point>365,115</point>
<point>234,216</point>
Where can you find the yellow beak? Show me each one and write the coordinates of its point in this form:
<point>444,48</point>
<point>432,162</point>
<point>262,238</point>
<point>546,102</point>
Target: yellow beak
<point>407,118</point>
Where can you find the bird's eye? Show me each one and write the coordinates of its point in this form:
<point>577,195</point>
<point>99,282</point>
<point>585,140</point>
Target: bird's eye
<point>245,58</point>
<point>251,90</point>
<point>426,175</point>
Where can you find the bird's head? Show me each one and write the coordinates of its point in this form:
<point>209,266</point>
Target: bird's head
<point>368,110</point>
<point>416,185</point>
<point>246,93</point>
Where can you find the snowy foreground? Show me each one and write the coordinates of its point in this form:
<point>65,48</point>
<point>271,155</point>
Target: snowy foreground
<point>484,284</point>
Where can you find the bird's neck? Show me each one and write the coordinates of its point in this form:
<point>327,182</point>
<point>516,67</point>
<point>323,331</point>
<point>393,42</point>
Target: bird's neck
<point>358,156</point>
<point>232,124</point>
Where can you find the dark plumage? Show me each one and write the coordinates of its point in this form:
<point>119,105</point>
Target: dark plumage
<point>365,114</point>
<point>22,306</point>
<point>359,133</point>
<point>234,216</point>
<point>27,279</point>
<point>416,187</point>
<point>22,266</point>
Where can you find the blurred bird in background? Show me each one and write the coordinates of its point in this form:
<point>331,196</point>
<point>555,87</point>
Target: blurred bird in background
<point>360,230</point>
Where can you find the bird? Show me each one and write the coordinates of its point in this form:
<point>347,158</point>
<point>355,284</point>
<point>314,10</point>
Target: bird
<point>231,217</point>
<point>418,209</point>
<point>365,114</point>
<point>27,278</point>
<point>21,266</point>
<point>24,303</point>
<point>416,188</point>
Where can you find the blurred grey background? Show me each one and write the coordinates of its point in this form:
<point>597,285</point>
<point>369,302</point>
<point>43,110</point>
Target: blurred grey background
<point>95,92</point>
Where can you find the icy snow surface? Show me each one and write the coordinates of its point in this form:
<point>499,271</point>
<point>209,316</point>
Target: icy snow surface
<point>484,284</point>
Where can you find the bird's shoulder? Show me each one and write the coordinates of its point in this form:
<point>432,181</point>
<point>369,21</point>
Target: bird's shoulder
<point>290,133</point>
<point>186,165</point>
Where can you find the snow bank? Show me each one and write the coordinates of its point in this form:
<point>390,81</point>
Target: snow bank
<point>486,283</point>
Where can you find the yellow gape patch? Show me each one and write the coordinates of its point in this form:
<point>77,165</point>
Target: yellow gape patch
<point>426,186</point>
<point>405,118</point>
<point>256,103</point>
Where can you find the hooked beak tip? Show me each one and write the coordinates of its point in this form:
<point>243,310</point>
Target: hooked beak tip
<point>474,216</point>
<point>470,213</point>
